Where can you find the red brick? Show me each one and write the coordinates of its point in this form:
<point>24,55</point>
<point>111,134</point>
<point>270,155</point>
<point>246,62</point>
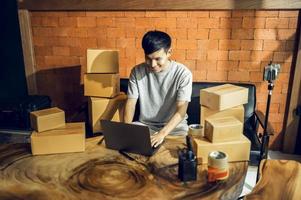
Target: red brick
<point>256,76</point>
<point>48,14</point>
<point>286,34</point>
<point>116,32</point>
<point>251,44</point>
<point>42,31</point>
<point>283,78</point>
<point>222,55</point>
<point>86,21</point>
<point>231,23</point>
<point>86,42</point>
<point>281,56</point>
<point>105,22</point>
<point>76,51</point>
<point>76,14</point>
<point>212,55</point>
<point>186,44</point>
<point>40,62</point>
<point>249,66</point>
<point>177,33</point>
<point>219,34</point>
<point>292,23</point>
<point>36,21</point>
<point>276,23</point>
<point>106,43</point>
<point>164,22</point>
<point>143,22</point>
<point>97,32</point>
<point>274,107</point>
<point>125,22</point>
<point>240,55</point>
<point>229,45</point>
<point>213,75</point>
<point>105,14</point>
<point>196,54</point>
<point>227,65</point>
<point>250,22</point>
<point>61,61</point>
<point>208,22</point>
<point>199,75</point>
<point>125,42</point>
<point>130,52</point>
<point>187,23</point>
<point>134,13</point>
<point>191,64</point>
<point>289,45</point>
<point>68,22</point>
<point>286,67</point>
<point>219,14</point>
<point>207,44</point>
<point>43,51</point>
<point>206,64</point>
<point>289,13</point>
<point>265,34</point>
<point>243,13</point>
<point>273,45</point>
<point>50,21</point>
<point>242,34</point>
<point>61,51</point>
<point>242,76</point>
<point>179,54</point>
<point>276,117</point>
<point>284,88</point>
<point>176,14</point>
<point>266,13</point>
<point>139,33</point>
<point>197,33</point>
<point>78,32</point>
<point>198,14</point>
<point>155,14</point>
<point>261,55</point>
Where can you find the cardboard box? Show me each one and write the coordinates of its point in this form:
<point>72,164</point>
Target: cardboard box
<point>207,113</point>
<point>101,85</point>
<point>102,61</point>
<point>223,129</point>
<point>47,119</point>
<point>238,150</point>
<point>104,108</point>
<point>223,96</point>
<point>70,138</point>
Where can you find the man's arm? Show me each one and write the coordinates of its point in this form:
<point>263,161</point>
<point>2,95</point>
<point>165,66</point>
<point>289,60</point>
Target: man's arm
<point>129,110</point>
<point>181,108</point>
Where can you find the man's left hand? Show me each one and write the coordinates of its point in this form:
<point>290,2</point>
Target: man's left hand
<point>157,138</point>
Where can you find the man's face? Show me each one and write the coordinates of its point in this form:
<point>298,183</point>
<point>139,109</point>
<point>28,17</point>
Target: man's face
<point>158,61</point>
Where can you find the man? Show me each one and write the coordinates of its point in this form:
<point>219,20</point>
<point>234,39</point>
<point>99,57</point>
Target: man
<point>163,88</point>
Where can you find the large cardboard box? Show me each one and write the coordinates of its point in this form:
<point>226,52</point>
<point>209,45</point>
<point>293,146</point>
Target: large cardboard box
<point>101,85</point>
<point>47,119</point>
<point>207,113</point>
<point>223,96</point>
<point>223,129</point>
<point>238,150</point>
<point>70,138</point>
<point>104,108</point>
<point>102,61</point>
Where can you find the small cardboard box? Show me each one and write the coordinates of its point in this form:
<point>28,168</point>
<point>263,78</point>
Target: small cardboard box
<point>223,96</point>
<point>207,113</point>
<point>102,61</point>
<point>47,119</point>
<point>70,138</point>
<point>104,108</point>
<point>238,150</point>
<point>223,129</point>
<point>101,85</point>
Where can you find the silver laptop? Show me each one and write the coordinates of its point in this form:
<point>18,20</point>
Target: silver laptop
<point>127,137</point>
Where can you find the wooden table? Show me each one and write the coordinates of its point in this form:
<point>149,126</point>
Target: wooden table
<point>100,173</point>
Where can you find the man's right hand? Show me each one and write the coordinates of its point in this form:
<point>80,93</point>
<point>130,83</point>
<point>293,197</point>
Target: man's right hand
<point>129,110</point>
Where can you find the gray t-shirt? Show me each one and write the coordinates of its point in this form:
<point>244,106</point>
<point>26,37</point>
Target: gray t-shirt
<point>158,92</point>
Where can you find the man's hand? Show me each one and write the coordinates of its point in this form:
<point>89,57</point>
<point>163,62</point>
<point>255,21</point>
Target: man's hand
<point>157,138</point>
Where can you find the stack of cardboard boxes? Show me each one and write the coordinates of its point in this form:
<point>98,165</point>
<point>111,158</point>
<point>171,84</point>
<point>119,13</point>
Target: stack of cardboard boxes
<point>222,116</point>
<point>102,86</point>
<point>52,135</point>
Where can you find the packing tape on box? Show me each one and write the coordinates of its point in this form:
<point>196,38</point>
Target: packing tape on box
<point>218,168</point>
<point>195,129</point>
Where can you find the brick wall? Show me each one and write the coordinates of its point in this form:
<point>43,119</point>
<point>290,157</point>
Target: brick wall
<point>215,45</point>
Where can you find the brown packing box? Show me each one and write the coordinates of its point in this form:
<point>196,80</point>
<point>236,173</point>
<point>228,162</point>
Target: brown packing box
<point>238,150</point>
<point>102,61</point>
<point>223,96</point>
<point>47,119</point>
<point>104,108</point>
<point>207,113</point>
<point>101,85</point>
<point>70,138</point>
<point>223,129</point>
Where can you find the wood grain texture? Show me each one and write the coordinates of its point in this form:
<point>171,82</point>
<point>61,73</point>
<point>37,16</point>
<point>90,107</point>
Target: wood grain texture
<point>157,4</point>
<point>100,173</point>
<point>280,180</point>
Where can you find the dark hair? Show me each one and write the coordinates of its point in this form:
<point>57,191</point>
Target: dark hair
<point>153,41</point>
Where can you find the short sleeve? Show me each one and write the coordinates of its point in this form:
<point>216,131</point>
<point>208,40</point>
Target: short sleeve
<point>185,87</point>
<point>133,92</point>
